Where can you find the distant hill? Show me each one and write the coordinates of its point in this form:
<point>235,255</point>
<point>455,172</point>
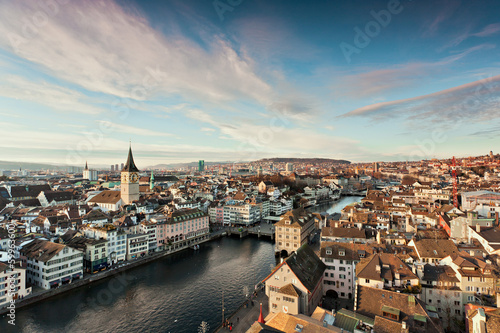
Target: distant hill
<point>6,165</point>
<point>184,165</point>
<point>303,160</point>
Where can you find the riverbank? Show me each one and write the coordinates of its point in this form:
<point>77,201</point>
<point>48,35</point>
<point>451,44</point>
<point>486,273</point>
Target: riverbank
<point>88,279</point>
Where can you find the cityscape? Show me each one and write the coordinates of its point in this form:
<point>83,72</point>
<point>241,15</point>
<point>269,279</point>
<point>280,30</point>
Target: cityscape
<point>249,166</point>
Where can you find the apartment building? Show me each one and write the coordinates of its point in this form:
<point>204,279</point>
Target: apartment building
<point>49,264</point>
<point>12,284</point>
<point>294,229</point>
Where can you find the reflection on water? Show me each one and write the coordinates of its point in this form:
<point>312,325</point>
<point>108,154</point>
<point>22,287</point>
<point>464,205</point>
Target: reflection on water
<point>336,206</point>
<point>174,294</point>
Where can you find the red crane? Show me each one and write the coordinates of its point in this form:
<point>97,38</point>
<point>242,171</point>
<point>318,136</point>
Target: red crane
<point>455,186</point>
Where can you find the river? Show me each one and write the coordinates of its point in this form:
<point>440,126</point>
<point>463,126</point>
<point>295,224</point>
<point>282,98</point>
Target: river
<point>174,294</point>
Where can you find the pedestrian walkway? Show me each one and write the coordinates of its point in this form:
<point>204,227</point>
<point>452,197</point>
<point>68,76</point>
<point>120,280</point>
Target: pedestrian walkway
<point>245,316</point>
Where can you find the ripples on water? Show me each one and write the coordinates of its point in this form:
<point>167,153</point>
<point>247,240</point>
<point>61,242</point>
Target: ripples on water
<point>174,294</point>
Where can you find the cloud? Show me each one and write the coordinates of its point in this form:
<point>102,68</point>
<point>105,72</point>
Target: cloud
<point>255,139</point>
<point>474,101</point>
<point>52,96</point>
<point>447,10</point>
<point>106,48</point>
<point>207,129</point>
<point>487,31</point>
<point>131,129</point>
<point>376,82</point>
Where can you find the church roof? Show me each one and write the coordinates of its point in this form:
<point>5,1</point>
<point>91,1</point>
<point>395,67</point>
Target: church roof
<point>130,165</point>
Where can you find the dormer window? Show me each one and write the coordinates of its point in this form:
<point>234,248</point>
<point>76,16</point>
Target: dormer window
<point>342,252</point>
<point>328,250</point>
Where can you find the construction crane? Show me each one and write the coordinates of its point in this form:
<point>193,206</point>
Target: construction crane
<point>455,186</point>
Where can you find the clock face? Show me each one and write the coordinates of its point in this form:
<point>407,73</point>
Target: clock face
<point>134,178</point>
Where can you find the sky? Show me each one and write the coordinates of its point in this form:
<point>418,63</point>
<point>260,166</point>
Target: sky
<point>240,80</point>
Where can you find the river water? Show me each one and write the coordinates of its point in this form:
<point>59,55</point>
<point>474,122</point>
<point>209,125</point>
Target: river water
<point>173,294</point>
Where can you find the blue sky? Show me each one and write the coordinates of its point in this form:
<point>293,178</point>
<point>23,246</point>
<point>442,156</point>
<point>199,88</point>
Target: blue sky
<point>242,80</point>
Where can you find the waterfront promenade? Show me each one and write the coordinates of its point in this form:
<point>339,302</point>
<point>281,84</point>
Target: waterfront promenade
<point>247,314</point>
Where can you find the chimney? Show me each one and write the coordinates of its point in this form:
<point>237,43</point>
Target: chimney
<point>478,228</point>
<point>496,219</point>
<point>403,325</point>
<point>377,268</point>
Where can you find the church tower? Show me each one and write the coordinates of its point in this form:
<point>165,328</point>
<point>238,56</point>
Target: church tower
<point>130,180</point>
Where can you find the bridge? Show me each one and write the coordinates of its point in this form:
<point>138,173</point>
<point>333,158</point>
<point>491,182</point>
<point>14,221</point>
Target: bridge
<point>262,229</point>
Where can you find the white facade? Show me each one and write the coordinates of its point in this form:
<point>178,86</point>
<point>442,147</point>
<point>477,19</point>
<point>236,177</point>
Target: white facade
<point>339,276</point>
<point>241,214</point>
<point>12,284</point>
<point>117,241</point>
<point>65,265</point>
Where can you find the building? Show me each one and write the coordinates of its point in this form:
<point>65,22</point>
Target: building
<point>107,200</point>
<point>289,167</point>
<point>53,198</point>
<point>12,284</point>
<point>294,230</point>
<point>137,246</point>
<point>49,264</point>
<point>129,180</point>
<point>341,260</point>
<point>117,239</point>
<point>470,200</point>
<point>241,214</point>
<point>396,312</point>
<point>201,165</point>
<point>89,174</point>
<point>149,228</point>
<point>433,250</point>
<point>95,251</point>
<point>384,271</point>
<point>441,290</point>
<point>296,285</point>
<point>476,277</point>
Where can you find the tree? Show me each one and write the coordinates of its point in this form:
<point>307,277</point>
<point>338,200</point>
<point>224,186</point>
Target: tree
<point>204,327</point>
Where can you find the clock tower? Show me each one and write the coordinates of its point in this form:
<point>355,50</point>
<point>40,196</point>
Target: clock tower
<point>130,180</point>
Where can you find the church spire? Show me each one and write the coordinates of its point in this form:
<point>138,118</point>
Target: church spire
<point>152,181</point>
<point>130,165</point>
<point>86,166</point>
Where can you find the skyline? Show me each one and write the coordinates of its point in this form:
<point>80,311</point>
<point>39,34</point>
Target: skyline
<point>377,81</point>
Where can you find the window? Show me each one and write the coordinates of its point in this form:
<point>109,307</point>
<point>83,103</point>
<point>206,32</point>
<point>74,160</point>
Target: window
<point>367,281</point>
<point>457,312</point>
<point>276,277</point>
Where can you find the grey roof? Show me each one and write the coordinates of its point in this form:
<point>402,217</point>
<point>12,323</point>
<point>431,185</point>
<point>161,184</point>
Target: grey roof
<point>307,266</point>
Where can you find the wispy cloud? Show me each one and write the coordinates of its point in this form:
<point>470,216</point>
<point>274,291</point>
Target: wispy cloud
<point>136,131</point>
<point>375,82</point>
<point>41,92</point>
<point>102,47</point>
<point>476,101</point>
<point>448,8</point>
<point>487,31</point>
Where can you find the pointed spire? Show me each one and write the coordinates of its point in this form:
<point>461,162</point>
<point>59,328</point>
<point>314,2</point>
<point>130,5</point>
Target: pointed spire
<point>86,166</point>
<point>152,181</point>
<point>261,317</point>
<point>130,165</point>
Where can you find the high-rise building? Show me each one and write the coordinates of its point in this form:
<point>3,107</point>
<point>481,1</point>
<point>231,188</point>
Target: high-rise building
<point>289,167</point>
<point>112,168</point>
<point>116,167</point>
<point>375,167</point>
<point>122,167</point>
<point>201,165</point>
<point>129,180</point>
